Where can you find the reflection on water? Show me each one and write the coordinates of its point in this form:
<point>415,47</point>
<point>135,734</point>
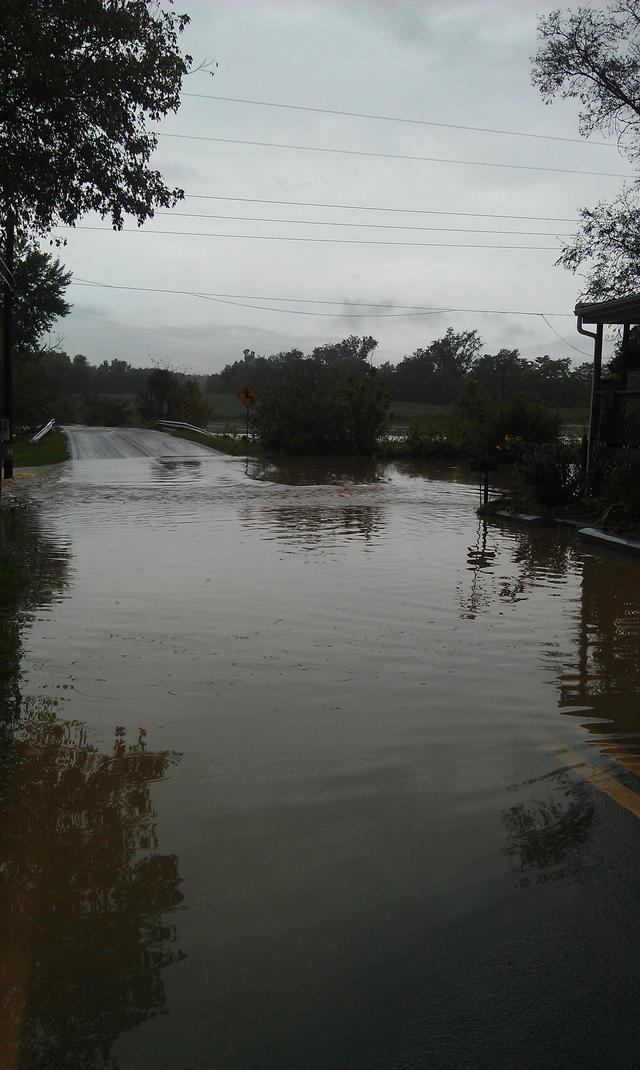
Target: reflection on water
<point>318,528</point>
<point>33,573</point>
<point>602,679</point>
<point>337,471</point>
<point>361,682</point>
<point>480,557</point>
<point>84,894</point>
<point>546,836</point>
<point>174,468</point>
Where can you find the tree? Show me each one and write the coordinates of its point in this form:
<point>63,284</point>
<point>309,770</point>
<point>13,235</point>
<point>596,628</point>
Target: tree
<point>593,55</point>
<point>435,374</point>
<point>350,356</point>
<point>77,83</point>
<point>40,282</point>
<point>161,397</point>
<point>309,409</point>
<point>194,407</point>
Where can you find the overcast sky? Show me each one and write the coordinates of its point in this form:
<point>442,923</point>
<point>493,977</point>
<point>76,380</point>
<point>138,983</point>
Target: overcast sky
<point>462,63</point>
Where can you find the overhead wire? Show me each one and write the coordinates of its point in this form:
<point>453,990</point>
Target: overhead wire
<point>425,309</point>
<point>369,226</point>
<point>379,208</point>
<point>6,275</point>
<point>564,340</point>
<point>227,300</point>
<point>393,155</point>
<point>399,119</point>
<point>325,241</point>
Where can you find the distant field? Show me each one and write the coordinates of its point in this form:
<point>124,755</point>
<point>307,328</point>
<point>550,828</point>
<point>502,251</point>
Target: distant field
<point>401,412</point>
<point>227,408</point>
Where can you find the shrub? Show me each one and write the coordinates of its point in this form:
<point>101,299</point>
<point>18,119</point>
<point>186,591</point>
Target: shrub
<point>108,411</point>
<point>552,472</point>
<point>430,437</point>
<point>309,409</point>
<point>483,425</point>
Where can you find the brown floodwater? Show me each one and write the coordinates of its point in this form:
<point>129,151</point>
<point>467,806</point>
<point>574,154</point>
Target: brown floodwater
<point>298,770</point>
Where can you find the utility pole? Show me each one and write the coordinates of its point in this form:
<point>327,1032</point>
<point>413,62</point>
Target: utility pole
<point>7,344</point>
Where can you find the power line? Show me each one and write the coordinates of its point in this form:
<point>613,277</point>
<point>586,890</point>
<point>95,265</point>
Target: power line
<point>329,241</point>
<point>393,156</point>
<point>398,119</point>
<point>378,208</point>
<point>6,274</point>
<point>371,226</point>
<point>78,281</point>
<point>563,340</point>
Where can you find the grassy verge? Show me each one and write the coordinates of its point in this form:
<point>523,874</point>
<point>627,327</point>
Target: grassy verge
<point>225,443</point>
<point>52,449</point>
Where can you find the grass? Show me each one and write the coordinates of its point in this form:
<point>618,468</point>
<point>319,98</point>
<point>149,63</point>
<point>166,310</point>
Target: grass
<point>401,412</point>
<point>225,443</point>
<point>51,450</point>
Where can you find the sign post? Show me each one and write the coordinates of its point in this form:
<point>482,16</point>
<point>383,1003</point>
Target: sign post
<point>248,397</point>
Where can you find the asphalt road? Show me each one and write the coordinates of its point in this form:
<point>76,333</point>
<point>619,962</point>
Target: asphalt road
<point>107,443</point>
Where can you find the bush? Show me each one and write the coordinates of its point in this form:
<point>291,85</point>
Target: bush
<point>552,472</point>
<point>108,412</point>
<point>312,410</point>
<point>482,425</point>
<point>430,437</point>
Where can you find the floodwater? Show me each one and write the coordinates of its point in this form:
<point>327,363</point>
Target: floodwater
<point>306,768</point>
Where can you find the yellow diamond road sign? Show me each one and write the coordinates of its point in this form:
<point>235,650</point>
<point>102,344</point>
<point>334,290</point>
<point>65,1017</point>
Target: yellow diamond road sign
<point>247,396</point>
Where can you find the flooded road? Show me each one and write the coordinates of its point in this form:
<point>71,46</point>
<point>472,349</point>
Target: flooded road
<point>306,767</point>
<point>106,443</point>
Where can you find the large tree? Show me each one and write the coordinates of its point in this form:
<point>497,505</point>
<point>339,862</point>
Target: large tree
<point>40,282</point>
<point>436,372</point>
<point>79,80</point>
<point>592,55</point>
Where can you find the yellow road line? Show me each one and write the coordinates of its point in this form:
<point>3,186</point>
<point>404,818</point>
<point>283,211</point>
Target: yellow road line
<point>603,782</point>
<point>137,445</point>
<point>608,785</point>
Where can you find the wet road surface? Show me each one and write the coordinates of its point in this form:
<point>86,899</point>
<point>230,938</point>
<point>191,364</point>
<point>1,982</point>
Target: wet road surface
<point>306,767</point>
<point>107,443</point>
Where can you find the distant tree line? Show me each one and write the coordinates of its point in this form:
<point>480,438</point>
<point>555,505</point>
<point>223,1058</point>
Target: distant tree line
<point>52,383</point>
<point>435,373</point>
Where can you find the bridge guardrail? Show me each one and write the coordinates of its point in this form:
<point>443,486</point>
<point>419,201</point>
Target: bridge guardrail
<point>43,431</point>
<point>185,427</point>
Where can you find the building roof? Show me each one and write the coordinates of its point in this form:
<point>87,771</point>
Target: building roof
<point>617,310</point>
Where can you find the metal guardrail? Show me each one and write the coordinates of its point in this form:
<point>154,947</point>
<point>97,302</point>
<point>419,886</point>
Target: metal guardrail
<point>43,431</point>
<point>186,427</point>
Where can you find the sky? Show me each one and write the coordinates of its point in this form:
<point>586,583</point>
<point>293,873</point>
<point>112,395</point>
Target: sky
<point>464,64</point>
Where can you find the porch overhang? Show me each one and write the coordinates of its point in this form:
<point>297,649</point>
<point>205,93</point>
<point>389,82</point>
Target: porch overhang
<point>619,310</point>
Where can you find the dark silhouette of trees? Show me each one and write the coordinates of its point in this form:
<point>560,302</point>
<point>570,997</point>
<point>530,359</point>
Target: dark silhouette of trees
<point>40,282</point>
<point>592,55</point>
<point>86,895</point>
<point>312,409</point>
<point>32,571</point>
<point>172,396</point>
<point>435,373</point>
<point>78,82</point>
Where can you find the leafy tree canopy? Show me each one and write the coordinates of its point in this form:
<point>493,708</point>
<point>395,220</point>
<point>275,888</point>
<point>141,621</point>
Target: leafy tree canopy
<point>434,373</point>
<point>311,409</point>
<point>40,282</point>
<point>78,81</point>
<point>592,55</point>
